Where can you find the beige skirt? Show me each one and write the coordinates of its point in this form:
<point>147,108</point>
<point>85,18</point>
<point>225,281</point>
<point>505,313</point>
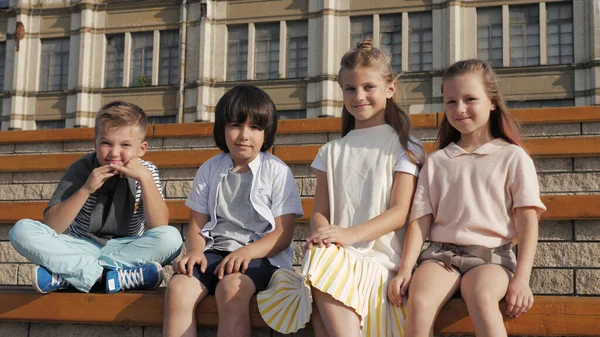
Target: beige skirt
<point>358,283</point>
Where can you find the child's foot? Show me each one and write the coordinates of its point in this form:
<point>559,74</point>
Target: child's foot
<point>144,277</point>
<point>45,281</point>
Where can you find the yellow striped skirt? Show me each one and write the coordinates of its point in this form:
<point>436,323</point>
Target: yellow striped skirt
<point>360,284</point>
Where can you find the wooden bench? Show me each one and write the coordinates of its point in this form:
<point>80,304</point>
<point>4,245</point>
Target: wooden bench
<point>550,316</point>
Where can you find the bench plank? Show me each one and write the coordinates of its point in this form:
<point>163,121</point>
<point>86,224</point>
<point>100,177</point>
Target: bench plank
<point>290,154</point>
<point>288,126</point>
<point>560,207</point>
<point>577,114</point>
<point>537,147</point>
<point>550,316</point>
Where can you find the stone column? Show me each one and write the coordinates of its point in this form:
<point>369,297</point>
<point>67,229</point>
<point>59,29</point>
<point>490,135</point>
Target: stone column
<point>87,50</point>
<point>586,32</point>
<point>21,70</point>
<point>206,57</point>
<point>328,39</point>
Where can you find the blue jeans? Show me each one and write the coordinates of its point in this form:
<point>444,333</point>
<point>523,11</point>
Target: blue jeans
<point>81,261</point>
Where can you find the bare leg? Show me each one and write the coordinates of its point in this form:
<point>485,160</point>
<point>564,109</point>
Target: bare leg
<point>431,286</point>
<point>317,323</point>
<point>338,319</point>
<point>482,288</point>
<point>182,296</point>
<point>233,296</point>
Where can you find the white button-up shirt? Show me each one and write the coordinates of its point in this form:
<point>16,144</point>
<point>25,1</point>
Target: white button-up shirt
<point>273,194</point>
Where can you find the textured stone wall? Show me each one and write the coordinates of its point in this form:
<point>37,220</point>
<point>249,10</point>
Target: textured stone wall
<point>567,262</point>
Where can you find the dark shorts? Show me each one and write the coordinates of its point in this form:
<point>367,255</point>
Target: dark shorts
<point>464,258</point>
<point>259,271</point>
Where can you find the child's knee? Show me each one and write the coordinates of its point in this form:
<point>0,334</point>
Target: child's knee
<point>169,238</point>
<point>480,298</point>
<point>234,288</point>
<point>183,290</point>
<point>22,230</point>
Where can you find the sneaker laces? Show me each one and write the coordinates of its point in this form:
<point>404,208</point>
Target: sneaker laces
<point>131,278</point>
<point>58,280</point>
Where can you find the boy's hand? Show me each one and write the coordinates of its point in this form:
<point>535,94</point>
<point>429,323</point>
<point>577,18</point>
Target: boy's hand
<point>232,263</point>
<point>398,287</point>
<point>519,298</point>
<point>133,169</point>
<point>185,264</point>
<point>97,178</point>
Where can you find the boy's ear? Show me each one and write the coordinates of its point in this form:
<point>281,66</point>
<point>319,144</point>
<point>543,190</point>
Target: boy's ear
<point>143,148</point>
<point>391,89</point>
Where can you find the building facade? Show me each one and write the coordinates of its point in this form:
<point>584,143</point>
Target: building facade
<point>61,60</point>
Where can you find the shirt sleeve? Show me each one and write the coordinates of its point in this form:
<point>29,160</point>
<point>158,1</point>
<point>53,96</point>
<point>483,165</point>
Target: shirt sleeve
<point>318,163</point>
<point>524,187</point>
<point>285,198</point>
<point>404,162</point>
<point>421,205</point>
<point>139,217</point>
<point>74,178</point>
<point>198,198</point>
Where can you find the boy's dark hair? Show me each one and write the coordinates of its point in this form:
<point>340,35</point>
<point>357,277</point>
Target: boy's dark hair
<point>117,114</point>
<point>245,102</point>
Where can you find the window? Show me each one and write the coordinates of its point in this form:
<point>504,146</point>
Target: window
<point>560,33</point>
<point>168,65</point>
<point>141,59</point>
<point>489,35</point>
<point>548,103</point>
<point>297,49</point>
<point>2,60</point>
<point>54,65</point>
<point>237,53</point>
<point>524,35</point>
<point>421,41</point>
<point>291,114</point>
<point>266,62</point>
<point>50,124</point>
<point>391,38</point>
<point>361,28</point>
<point>169,119</point>
<point>115,52</point>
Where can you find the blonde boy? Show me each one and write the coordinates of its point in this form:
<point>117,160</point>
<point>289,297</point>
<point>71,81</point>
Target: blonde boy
<point>107,219</point>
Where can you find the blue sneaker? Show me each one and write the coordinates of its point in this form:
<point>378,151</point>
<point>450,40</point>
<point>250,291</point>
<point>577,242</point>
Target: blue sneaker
<point>145,277</point>
<point>45,281</point>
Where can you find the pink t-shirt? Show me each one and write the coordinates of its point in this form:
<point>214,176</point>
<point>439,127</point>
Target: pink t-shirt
<point>473,196</point>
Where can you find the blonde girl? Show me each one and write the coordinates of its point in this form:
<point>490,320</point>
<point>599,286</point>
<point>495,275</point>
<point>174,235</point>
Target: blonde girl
<point>365,182</point>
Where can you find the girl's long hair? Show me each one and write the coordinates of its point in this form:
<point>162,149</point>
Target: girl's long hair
<point>366,56</point>
<point>502,123</point>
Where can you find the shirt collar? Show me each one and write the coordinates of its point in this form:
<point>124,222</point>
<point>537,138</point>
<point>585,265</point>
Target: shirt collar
<point>453,150</point>
<point>254,164</point>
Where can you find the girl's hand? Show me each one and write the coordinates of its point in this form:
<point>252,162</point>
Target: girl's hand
<point>398,287</point>
<point>519,298</point>
<point>185,264</point>
<point>332,234</point>
<point>232,263</point>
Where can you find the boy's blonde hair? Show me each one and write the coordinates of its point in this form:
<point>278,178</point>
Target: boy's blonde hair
<point>117,114</point>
